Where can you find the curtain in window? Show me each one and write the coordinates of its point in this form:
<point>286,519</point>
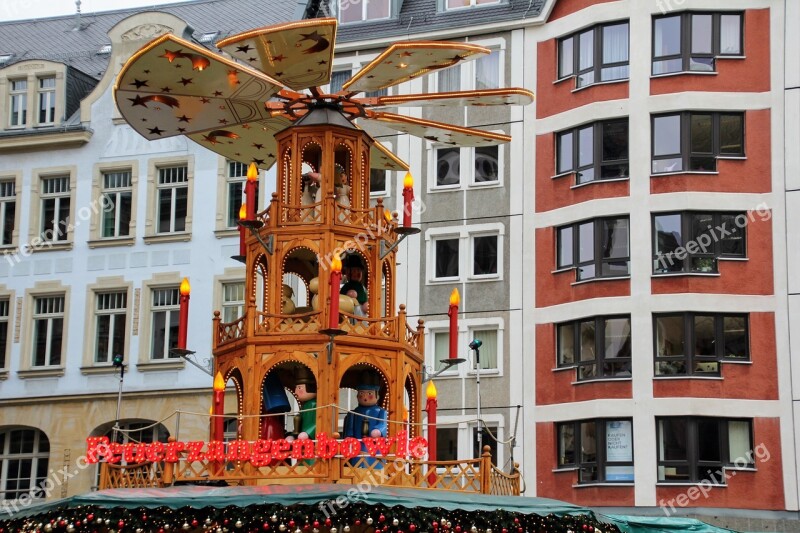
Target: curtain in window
<point>487,71</point>
<point>449,79</point>
<point>441,346</point>
<point>738,440</point>
<point>730,34</point>
<point>488,349</point>
<point>615,50</point>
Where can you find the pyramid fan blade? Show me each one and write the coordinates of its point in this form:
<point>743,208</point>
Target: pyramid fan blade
<point>172,87</point>
<point>439,132</point>
<point>382,158</point>
<point>248,143</point>
<point>489,97</point>
<point>299,54</point>
<point>405,61</point>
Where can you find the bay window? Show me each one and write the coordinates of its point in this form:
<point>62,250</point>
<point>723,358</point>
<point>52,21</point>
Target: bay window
<point>691,42</point>
<point>595,54</point>
<point>597,248</point>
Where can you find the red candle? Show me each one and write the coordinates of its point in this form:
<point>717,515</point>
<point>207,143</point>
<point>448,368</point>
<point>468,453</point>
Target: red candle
<point>430,406</point>
<point>242,216</point>
<point>183,314</point>
<point>408,197</point>
<point>336,279</point>
<point>250,191</point>
<point>453,314</point>
<point>218,425</point>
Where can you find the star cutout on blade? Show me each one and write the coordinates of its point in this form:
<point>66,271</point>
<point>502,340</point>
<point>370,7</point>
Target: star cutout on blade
<point>211,139</point>
<point>245,126</point>
<point>184,118</point>
<point>204,100</point>
<point>181,130</point>
<point>406,54</point>
<point>457,58</point>
<point>166,90</point>
<point>323,62</point>
<point>432,138</point>
<point>217,93</point>
<point>244,49</point>
<point>223,121</point>
<point>258,161</point>
<point>271,155</point>
<point>171,56</point>
<point>258,146</point>
<point>155,131</point>
<point>252,59</point>
<point>139,83</point>
<point>138,100</point>
<point>185,81</point>
<point>279,57</point>
<point>146,71</point>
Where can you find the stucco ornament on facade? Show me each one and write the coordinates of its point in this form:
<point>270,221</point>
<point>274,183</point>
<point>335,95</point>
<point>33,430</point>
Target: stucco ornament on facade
<point>146,32</point>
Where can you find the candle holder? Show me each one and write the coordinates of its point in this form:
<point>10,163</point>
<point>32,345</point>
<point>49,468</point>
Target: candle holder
<point>251,224</point>
<point>406,230</point>
<point>181,352</point>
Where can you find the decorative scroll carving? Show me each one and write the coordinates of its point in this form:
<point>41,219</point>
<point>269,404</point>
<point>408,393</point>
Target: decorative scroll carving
<point>146,32</point>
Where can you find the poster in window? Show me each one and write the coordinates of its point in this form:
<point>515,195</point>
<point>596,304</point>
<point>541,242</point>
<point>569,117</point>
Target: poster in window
<point>619,445</point>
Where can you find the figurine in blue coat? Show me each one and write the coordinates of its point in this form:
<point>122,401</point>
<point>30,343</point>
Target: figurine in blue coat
<point>368,419</point>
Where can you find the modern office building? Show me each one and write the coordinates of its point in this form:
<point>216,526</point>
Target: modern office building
<point>624,259</point>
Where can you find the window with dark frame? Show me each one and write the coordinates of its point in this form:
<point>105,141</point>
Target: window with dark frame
<point>698,449</point>
<point>695,343</point>
<point>597,54</point>
<point>487,167</point>
<point>599,347</point>
<point>693,242</point>
<point>446,443</point>
<point>378,181</point>
<point>8,211</point>
<point>691,42</point>
<point>487,439</point>
<point>600,450</point>
<point>448,166</point>
<point>173,198</point>
<point>594,152</point>
<point>693,141</point>
<point>117,203</point>
<point>597,248</point>
<point>338,79</point>
<point>446,257</point>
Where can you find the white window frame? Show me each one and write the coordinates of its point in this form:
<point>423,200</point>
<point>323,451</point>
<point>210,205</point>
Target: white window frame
<point>230,182</point>
<point>58,198</point>
<point>172,187</point>
<point>18,95</point>
<point>466,329</point>
<point>473,4</point>
<point>35,490</point>
<point>466,424</point>
<point>467,156</point>
<point>5,318</point>
<point>152,235</point>
<point>233,304</point>
<point>362,4</point>
<point>8,195</point>
<point>465,235</point>
<point>49,95</point>
<point>115,314</point>
<point>116,193</point>
<point>169,310</point>
<point>48,317</point>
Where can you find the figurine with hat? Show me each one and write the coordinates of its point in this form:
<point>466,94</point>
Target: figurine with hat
<point>275,403</point>
<point>368,419</point>
<point>353,268</point>
<point>305,390</point>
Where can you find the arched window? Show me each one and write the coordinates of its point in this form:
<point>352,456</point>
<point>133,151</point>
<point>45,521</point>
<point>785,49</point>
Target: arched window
<point>24,456</point>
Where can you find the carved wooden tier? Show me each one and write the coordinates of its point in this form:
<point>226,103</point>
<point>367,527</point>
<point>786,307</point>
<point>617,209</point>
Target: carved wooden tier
<point>321,209</point>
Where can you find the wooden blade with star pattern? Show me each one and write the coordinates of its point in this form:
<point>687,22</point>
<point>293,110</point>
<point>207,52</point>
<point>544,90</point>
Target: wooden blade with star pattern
<point>438,132</point>
<point>382,158</point>
<point>299,54</point>
<point>253,142</point>
<point>477,98</point>
<point>172,87</point>
<point>406,61</point>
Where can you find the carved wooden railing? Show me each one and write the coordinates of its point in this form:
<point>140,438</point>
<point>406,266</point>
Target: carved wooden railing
<point>470,475</point>
<point>301,214</point>
<point>267,323</point>
<point>230,331</point>
<point>379,328</point>
<point>363,218</point>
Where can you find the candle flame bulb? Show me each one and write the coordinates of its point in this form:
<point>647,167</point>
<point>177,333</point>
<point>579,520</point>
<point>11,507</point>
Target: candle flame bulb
<point>336,264</point>
<point>219,382</point>
<point>243,212</point>
<point>185,287</point>
<point>430,391</point>
<point>408,181</point>
<point>252,172</point>
<point>455,299</point>
<point>387,215</point>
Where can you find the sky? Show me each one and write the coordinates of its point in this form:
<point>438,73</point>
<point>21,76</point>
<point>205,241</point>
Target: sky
<point>29,9</point>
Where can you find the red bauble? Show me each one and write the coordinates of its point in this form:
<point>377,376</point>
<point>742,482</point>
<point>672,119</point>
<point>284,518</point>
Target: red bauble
<point>316,523</point>
<point>412,528</point>
<point>90,517</point>
<point>381,518</point>
<point>505,530</point>
<point>161,530</point>
<point>591,528</point>
<point>458,529</point>
<point>327,521</point>
<point>585,527</point>
<point>291,524</point>
<point>62,523</point>
<point>195,523</point>
<point>121,524</point>
<point>358,522</point>
<point>265,527</point>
